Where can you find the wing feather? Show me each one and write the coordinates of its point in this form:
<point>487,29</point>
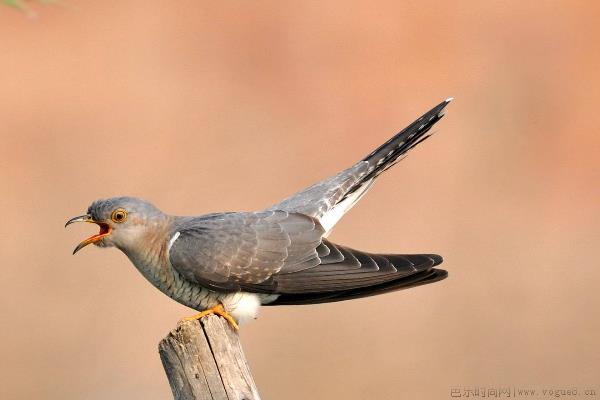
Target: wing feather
<point>236,250</point>
<point>279,252</point>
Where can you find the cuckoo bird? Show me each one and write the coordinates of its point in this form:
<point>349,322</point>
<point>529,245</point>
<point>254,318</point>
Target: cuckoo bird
<point>231,263</point>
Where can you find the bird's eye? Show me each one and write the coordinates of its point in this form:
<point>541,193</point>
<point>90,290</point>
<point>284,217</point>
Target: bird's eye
<point>119,215</point>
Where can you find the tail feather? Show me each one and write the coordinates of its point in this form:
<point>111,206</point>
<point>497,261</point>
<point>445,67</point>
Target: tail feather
<point>330,199</point>
<point>395,149</point>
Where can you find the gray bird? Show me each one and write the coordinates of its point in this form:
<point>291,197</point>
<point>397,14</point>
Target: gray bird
<point>232,263</point>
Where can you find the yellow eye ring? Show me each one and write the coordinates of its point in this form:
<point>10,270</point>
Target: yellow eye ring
<point>119,215</point>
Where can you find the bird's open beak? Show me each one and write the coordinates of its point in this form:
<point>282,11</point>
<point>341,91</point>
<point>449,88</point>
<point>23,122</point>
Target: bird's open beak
<point>105,230</point>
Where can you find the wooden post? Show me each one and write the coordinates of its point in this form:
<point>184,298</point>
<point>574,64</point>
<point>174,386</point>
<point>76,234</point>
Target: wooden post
<point>204,360</point>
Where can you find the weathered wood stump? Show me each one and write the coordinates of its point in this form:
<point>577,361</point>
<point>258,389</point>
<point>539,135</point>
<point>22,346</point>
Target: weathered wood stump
<point>204,360</point>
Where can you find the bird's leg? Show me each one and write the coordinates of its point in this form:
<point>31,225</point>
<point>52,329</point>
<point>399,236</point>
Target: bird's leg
<point>218,310</point>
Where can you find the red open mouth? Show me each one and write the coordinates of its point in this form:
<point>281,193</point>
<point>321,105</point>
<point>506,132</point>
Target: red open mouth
<point>105,230</point>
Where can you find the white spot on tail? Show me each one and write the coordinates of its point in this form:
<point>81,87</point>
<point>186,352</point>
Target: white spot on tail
<point>331,217</point>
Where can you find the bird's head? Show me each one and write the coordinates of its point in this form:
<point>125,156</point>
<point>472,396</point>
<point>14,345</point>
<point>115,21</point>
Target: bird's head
<point>123,222</point>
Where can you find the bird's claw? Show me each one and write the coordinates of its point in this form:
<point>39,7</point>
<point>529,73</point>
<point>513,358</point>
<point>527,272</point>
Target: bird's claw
<point>217,310</point>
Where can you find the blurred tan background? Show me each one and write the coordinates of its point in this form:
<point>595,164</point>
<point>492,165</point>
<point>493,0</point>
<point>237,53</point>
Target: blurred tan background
<point>215,106</point>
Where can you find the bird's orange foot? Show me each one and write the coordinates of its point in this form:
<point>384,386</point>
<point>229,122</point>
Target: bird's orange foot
<point>218,310</point>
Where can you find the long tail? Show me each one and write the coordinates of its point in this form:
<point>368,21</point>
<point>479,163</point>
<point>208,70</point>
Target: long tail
<point>395,149</point>
<point>331,198</point>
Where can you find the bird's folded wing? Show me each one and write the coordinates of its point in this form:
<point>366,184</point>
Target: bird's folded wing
<point>280,252</point>
<point>235,250</point>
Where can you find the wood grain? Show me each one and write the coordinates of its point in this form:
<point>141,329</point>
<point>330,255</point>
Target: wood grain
<point>204,360</point>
